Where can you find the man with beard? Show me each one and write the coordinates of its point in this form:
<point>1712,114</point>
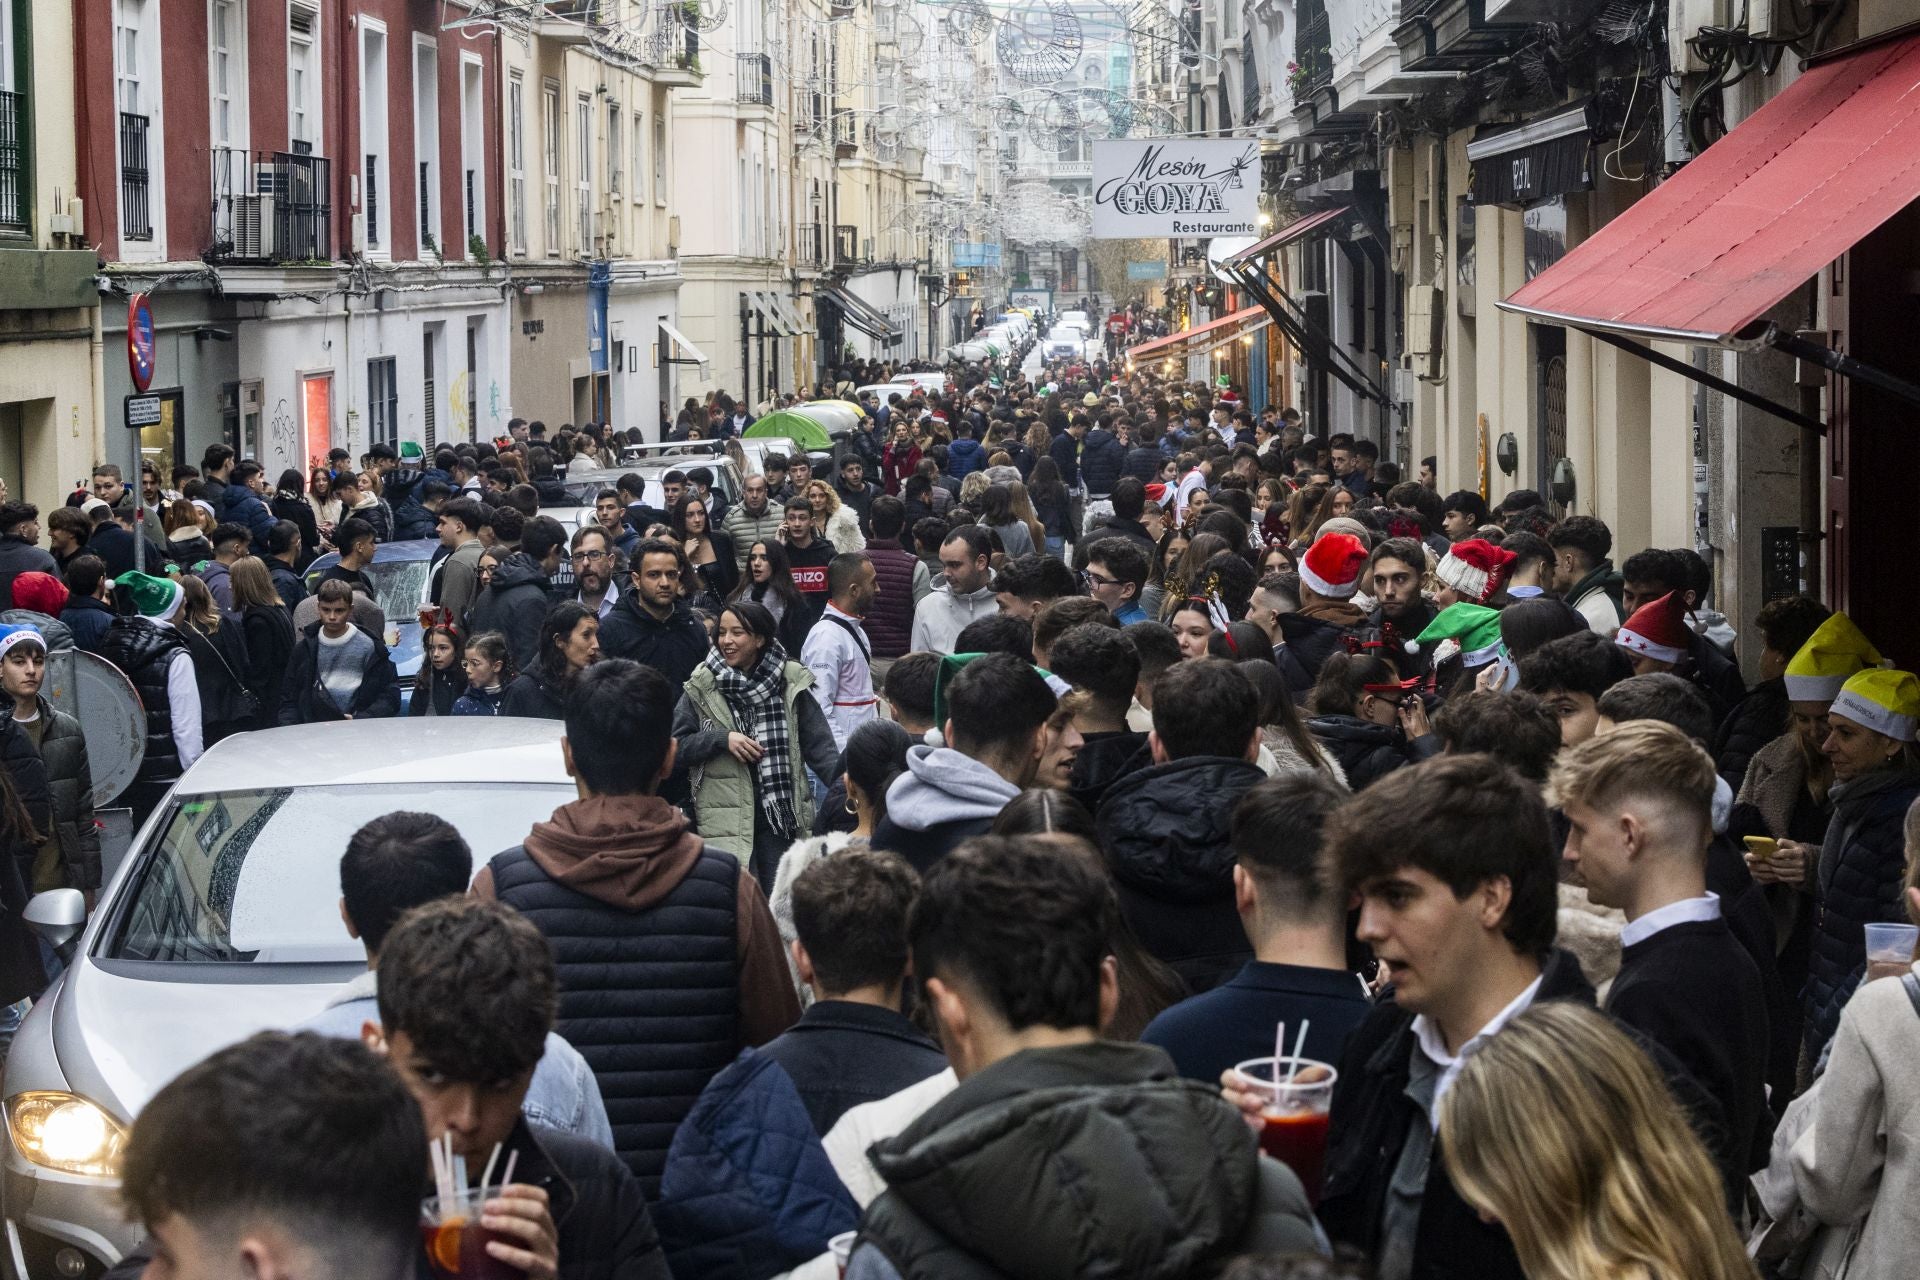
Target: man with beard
<point>1400,612</point>
<point>649,624</point>
<point>593,557</point>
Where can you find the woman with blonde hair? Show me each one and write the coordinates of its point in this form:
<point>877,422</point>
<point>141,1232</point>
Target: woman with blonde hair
<point>833,519</point>
<point>1562,1130</point>
<point>1023,510</point>
<point>975,484</point>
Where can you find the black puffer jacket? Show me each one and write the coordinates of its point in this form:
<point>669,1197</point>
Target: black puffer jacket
<point>1761,717</point>
<point>1091,1160</point>
<point>1369,751</point>
<point>515,604</point>
<point>1103,460</point>
<point>1164,829</point>
<point>70,791</point>
<point>1144,463</point>
<point>1857,883</point>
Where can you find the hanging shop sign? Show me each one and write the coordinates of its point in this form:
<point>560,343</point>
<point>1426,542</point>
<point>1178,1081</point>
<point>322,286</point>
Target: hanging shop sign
<point>1153,187</point>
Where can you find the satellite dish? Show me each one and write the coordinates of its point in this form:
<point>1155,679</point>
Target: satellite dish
<point>98,694</point>
<point>1220,248</point>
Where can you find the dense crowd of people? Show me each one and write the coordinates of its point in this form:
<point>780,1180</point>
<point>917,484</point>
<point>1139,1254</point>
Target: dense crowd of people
<point>962,814</point>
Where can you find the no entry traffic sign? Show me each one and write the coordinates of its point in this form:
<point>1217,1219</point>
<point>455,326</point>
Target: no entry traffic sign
<point>140,341</point>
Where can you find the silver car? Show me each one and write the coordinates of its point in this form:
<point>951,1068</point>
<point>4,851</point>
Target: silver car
<point>223,920</point>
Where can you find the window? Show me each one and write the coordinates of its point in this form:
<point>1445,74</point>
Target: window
<point>303,77</point>
<point>16,163</point>
<point>426,143</point>
<point>583,172</point>
<point>613,148</point>
<point>640,156</point>
<point>550,150</point>
<point>473,145</point>
<point>516,163</point>
<point>376,192</point>
<point>660,159</point>
<point>383,402</point>
<point>136,70</point>
<point>227,73</point>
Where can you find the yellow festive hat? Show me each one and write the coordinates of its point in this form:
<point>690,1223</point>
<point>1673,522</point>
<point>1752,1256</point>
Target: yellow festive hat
<point>1886,702</point>
<point>1835,651</point>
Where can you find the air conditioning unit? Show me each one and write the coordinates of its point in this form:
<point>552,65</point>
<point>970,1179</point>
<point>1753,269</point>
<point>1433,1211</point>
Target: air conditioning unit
<point>253,226</point>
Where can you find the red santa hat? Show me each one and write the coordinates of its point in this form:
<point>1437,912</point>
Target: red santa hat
<point>1475,568</point>
<point>1658,629</point>
<point>1332,565</point>
<point>1158,493</point>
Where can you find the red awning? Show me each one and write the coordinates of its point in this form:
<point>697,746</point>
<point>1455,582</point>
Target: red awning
<point>1287,235</point>
<point>1757,214</point>
<point>1201,339</point>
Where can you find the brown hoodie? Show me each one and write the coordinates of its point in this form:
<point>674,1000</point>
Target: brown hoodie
<point>630,852</point>
<point>1341,613</point>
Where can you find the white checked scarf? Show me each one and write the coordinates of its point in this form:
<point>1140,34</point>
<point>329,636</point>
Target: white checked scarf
<point>757,699</point>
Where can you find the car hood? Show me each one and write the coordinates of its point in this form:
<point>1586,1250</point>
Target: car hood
<point>118,1038</point>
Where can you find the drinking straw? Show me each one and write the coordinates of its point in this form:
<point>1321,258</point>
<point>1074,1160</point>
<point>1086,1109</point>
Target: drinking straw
<point>1299,1043</point>
<point>459,1174</point>
<point>487,1176</point>
<point>1279,1049</point>
<point>513,1158</point>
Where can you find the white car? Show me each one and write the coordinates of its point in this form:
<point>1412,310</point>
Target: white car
<point>1075,319</point>
<point>1065,342</point>
<point>220,922</point>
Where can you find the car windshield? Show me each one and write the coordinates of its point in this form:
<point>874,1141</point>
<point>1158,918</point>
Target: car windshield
<point>400,586</point>
<point>254,876</point>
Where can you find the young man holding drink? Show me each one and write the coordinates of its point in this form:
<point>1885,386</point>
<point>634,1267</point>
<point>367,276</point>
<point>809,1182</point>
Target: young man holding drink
<point>1010,940</point>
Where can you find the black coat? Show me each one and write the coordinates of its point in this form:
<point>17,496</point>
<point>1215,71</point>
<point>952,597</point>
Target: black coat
<point>673,647</point>
<point>1165,832</point>
<point>1065,452</point>
<point>1306,644</point>
<point>88,619</point>
<point>441,689</point>
<point>1102,461</point>
<point>515,604</point>
<point>1760,717</point>
<point>220,669</point>
<point>530,695</point>
<point>21,973</point>
<point>18,556</point>
<point>1144,463</point>
<point>1368,751</point>
<point>291,587</point>
<point>1717,676</point>
<point>297,509</point>
<point>269,633</point>
<point>303,701</point>
<point>1858,882</point>
<point>1368,1128</point>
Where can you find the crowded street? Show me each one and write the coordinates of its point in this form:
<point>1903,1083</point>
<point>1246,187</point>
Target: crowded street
<point>1168,641</point>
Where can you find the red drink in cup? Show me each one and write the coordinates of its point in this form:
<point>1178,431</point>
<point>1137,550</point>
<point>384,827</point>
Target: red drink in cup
<point>456,1244</point>
<point>1296,1093</point>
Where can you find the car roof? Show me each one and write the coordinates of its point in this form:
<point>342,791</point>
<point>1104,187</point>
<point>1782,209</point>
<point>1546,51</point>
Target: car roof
<point>427,750</point>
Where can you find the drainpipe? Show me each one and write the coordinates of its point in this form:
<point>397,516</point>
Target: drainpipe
<point>1810,378</point>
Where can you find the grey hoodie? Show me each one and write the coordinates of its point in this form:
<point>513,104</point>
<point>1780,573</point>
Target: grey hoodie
<point>941,785</point>
<point>942,615</point>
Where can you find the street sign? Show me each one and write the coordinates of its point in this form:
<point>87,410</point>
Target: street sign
<point>143,411</point>
<point>140,343</point>
<point>1155,270</point>
<point>1172,187</point>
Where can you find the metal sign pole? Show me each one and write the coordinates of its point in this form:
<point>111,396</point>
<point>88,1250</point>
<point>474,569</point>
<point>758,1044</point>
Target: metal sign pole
<point>139,508</point>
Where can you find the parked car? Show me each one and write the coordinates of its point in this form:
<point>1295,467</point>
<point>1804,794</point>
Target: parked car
<point>399,572</point>
<point>222,922</point>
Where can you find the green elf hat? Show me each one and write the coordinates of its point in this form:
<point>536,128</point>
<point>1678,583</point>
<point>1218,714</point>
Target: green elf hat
<point>411,452</point>
<point>156,598</point>
<point>1474,627</point>
<point>952,665</point>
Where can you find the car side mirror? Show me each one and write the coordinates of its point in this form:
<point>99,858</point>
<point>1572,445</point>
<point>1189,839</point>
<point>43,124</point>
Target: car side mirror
<point>58,915</point>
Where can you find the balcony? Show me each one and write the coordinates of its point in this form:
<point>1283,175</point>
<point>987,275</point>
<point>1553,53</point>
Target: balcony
<point>753,78</point>
<point>1453,35</point>
<point>136,188</point>
<point>269,207</point>
<point>846,245</point>
<point>674,53</point>
<point>810,244</point>
<point>15,213</point>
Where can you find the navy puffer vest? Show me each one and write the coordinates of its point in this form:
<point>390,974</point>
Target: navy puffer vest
<point>143,650</point>
<point>650,998</point>
<point>889,620</point>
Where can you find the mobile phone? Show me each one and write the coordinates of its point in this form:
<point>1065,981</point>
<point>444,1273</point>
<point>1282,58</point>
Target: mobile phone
<point>1762,847</point>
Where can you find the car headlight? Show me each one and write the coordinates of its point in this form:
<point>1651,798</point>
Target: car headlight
<point>66,1132</point>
